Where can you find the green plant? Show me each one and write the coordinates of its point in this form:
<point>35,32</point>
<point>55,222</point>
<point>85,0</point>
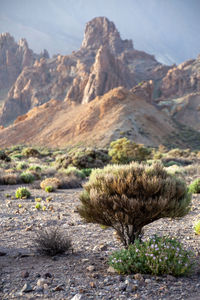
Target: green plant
<point>22,192</point>
<point>197,227</point>
<point>75,172</point>
<point>51,181</point>
<point>87,171</point>
<point>35,168</point>
<point>22,165</point>
<point>194,187</point>
<point>49,189</point>
<point>52,241</point>
<point>157,256</point>
<point>27,177</point>
<point>30,152</point>
<point>128,197</point>
<point>38,206</point>
<point>124,151</point>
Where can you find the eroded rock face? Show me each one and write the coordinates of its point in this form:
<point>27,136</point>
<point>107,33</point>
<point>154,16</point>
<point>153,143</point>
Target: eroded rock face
<point>104,62</point>
<point>13,58</point>
<point>99,32</point>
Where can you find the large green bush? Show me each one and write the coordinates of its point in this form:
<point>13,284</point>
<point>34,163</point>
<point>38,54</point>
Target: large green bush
<point>124,151</point>
<point>157,256</point>
<point>128,197</point>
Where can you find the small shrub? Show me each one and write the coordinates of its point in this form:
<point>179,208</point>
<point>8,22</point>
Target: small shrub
<point>75,172</point>
<point>52,181</point>
<point>10,178</point>
<point>22,192</point>
<point>197,227</point>
<point>22,166</point>
<point>128,197</point>
<point>87,171</point>
<point>52,241</point>
<point>124,151</point>
<point>35,168</point>
<point>38,206</point>
<point>157,256</point>
<point>69,182</point>
<point>4,156</point>
<point>194,187</point>
<point>49,189</point>
<point>30,152</point>
<point>27,177</point>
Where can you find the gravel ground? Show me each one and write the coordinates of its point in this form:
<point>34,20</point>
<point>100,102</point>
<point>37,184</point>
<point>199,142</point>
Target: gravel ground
<point>83,274</point>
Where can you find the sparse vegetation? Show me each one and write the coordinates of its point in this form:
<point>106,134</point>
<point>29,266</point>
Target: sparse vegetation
<point>128,197</point>
<point>22,192</point>
<point>52,241</point>
<point>194,187</point>
<point>124,151</point>
<point>52,181</point>
<point>197,227</point>
<point>156,256</point>
<point>49,189</point>
<point>27,177</point>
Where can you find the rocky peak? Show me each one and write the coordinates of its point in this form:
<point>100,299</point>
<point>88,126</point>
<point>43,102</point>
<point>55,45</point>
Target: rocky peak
<point>100,31</point>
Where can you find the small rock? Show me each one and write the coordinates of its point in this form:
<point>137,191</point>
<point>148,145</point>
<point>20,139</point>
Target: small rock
<point>138,276</point>
<point>111,270</point>
<point>59,287</point>
<point>77,297</point>
<point>27,288</point>
<point>47,275</point>
<point>92,284</point>
<point>171,278</point>
<point>25,274</point>
<point>103,247</point>
<point>122,286</point>
<point>131,288</point>
<point>41,282</point>
<point>147,280</point>
<point>90,268</point>
<point>29,228</point>
<point>2,253</point>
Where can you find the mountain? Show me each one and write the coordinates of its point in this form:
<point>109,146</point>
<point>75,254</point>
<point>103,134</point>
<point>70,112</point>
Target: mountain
<point>105,90</point>
<point>167,29</point>
<point>103,62</point>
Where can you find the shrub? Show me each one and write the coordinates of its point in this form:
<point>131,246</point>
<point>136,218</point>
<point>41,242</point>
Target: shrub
<point>49,189</point>
<point>70,182</point>
<point>197,227</point>
<point>52,241</point>
<point>124,151</point>
<point>87,171</point>
<point>194,187</point>
<point>131,196</point>
<point>27,177</point>
<point>74,171</point>
<point>10,178</point>
<point>52,181</point>
<point>30,152</point>
<point>35,168</point>
<point>4,156</point>
<point>22,192</point>
<point>21,166</point>
<point>157,256</point>
<point>84,158</point>
<point>38,206</point>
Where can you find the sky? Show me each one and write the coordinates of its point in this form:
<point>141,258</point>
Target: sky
<point>168,29</point>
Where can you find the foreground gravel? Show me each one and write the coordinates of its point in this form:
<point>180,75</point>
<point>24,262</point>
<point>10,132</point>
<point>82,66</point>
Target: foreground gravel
<point>83,273</point>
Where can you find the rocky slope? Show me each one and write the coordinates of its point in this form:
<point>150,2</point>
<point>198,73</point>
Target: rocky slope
<point>155,102</point>
<point>117,113</point>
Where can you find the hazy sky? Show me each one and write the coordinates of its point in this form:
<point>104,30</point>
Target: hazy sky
<point>169,29</point>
